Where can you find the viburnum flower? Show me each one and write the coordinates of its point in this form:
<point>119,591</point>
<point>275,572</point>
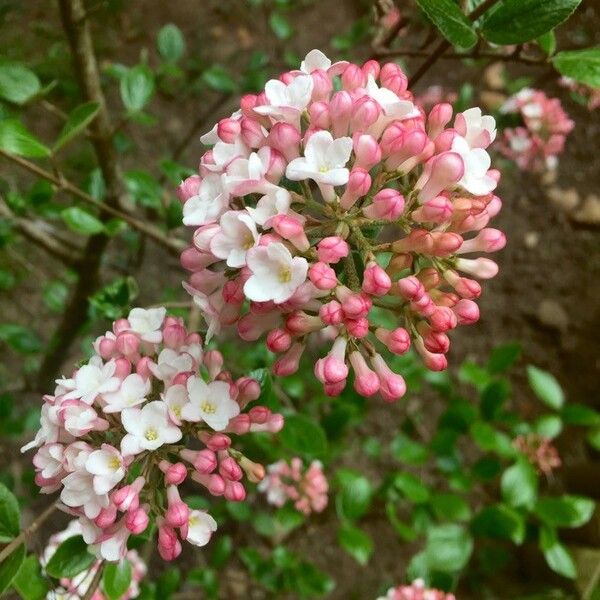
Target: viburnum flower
<point>590,95</point>
<point>416,591</point>
<point>120,436</point>
<point>306,487</point>
<point>535,142</point>
<point>359,204</point>
<point>539,451</point>
<point>79,585</point>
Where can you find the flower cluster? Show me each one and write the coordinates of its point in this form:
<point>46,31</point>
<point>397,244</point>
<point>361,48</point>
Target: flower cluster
<point>317,211</point>
<point>540,137</point>
<point>416,591</point>
<point>539,451</point>
<point>149,409</point>
<point>79,585</point>
<point>589,94</point>
<point>306,487</point>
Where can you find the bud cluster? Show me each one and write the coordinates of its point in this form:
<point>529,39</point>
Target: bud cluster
<point>540,137</point>
<point>416,591</point>
<point>590,95</point>
<point>330,197</point>
<point>149,410</point>
<point>539,451</point>
<point>306,487</point>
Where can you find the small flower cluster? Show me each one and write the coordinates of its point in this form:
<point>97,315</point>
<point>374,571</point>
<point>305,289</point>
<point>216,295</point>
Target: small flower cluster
<point>79,585</point>
<point>306,487</point>
<point>316,206</point>
<point>539,451</point>
<point>589,94</point>
<point>116,438</point>
<point>416,591</point>
<point>537,142</point>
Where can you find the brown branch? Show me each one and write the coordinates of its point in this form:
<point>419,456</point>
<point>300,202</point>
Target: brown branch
<point>94,583</point>
<point>174,246</point>
<point>441,48</point>
<point>43,239</point>
<point>27,532</point>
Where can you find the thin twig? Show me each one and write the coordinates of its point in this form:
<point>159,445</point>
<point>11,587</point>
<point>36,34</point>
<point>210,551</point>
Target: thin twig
<point>441,48</point>
<point>27,532</point>
<point>95,582</point>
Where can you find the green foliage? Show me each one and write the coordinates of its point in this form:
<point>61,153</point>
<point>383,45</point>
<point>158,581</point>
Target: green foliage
<point>451,21</point>
<point>301,435</point>
<point>77,121</point>
<point>219,79</point>
<point>170,43</point>
<point>137,88</point>
<point>545,387</point>
<point>355,494</point>
<point>116,579</point>
<point>10,566</point>
<point>20,338</point>
<point>9,515</point>
<point>519,484</point>
<point>29,581</point>
<point>356,542</point>
<point>518,21</point>
<point>18,84</point>
<point>16,139</point>
<point>81,221</point>
<point>71,558</point>
<point>580,65</point>
<point>280,25</point>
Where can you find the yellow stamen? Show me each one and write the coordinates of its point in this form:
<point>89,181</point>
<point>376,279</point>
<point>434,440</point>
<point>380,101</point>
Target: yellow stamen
<point>208,407</point>
<point>285,275</point>
<point>151,434</point>
<point>114,463</point>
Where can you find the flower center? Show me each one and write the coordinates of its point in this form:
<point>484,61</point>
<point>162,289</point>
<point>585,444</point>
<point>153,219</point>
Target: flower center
<point>285,275</point>
<point>208,407</point>
<point>248,242</point>
<point>177,411</point>
<point>151,434</point>
<point>323,169</point>
<point>114,463</point>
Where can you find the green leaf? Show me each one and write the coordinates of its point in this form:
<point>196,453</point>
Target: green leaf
<point>17,83</point>
<point>519,484</point>
<point>171,43</point>
<point>16,139</point>
<point>137,87</point>
<point>55,294</point>
<point>493,397</point>
<point>491,440</point>
<point>408,451</point>
<point>518,21</point>
<point>579,414</point>
<point>22,339</point>
<point>280,26</point>
<point>70,559</point>
<point>593,438</point>
<point>219,79</point>
<point>354,498</point>
<point>144,188</point>
<point>548,426</point>
<point>411,487</point>
<point>451,507</point>
<point>80,221</point>
<point>9,515</point>
<point>451,21</point>
<point>565,511</point>
<point>581,65</point>
<point>448,548</point>
<point>560,561</point>
<point>221,551</point>
<point>547,42</point>
<point>29,582</point>
<point>356,542</point>
<point>545,387</point>
<point>499,522</point>
<point>10,566</point>
<point>116,579</point>
<point>503,357</point>
<point>303,436</point>
<point>79,118</point>
<point>168,583</point>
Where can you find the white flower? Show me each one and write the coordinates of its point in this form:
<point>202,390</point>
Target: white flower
<point>79,418</point>
<point>148,428</point>
<point>211,403</point>
<point>236,236</point>
<point>393,107</point>
<point>210,308</point>
<point>76,455</point>
<point>247,175</point>
<point>211,137</point>
<point>114,547</point>
<point>200,528</point>
<point>147,323</point>
<point>479,130</point>
<point>90,380</point>
<point>133,391</point>
<point>276,202</point>
<point>176,397</point>
<point>276,275</point>
<point>209,204</point>
<point>170,362</point>
<point>223,154</point>
<point>287,101</point>
<point>48,431</point>
<point>106,465</point>
<point>49,460</point>
<point>78,490</point>
<point>477,163</point>
<point>324,160</point>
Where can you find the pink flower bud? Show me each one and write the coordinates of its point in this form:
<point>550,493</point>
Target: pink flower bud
<point>375,280</point>
<point>365,111</point>
<point>358,186</point>
<point>137,520</point>
<point>436,210</point>
<point>300,323</point>
<point>169,546</point>
<point>435,341</point>
<point>366,151</point>
<point>278,340</point>
<point>175,474</point>
<point>443,319</point>
<point>371,67</point>
<point>466,311</point>
<point>340,109</point>
<point>234,491</point>
<point>441,173</point>
<point>193,260</point>
<point>445,243</point>
<point>439,116</point>
<point>353,78</point>
<point>322,85</point>
<point>434,362</point>
<point>142,367</point>
<point>487,240</point>
<point>331,369</point>
<point>443,142</point>
<point>247,104</point>
<point>106,517</point>
<point>334,389</point>
<point>354,305</point>
<point>289,362</point>
<point>127,497</point>
<point>387,204</point>
<point>106,348</point>
<point>204,461</point>
<point>229,130</point>
<point>251,132</point>
<point>411,288</point>
<point>285,138</point>
<point>174,335</point>
<point>322,276</point>
<point>319,115</point>
<point>189,188</point>
<point>214,483</point>
<point>331,313</point>
<point>396,341</point>
<point>393,78</point>
<point>122,367</point>
<point>407,154</point>
<point>229,469</point>
<point>178,511</point>
<point>332,249</point>
<point>366,382</point>
<point>213,361</point>
<point>391,385</point>
<point>358,328</point>
<point>483,268</point>
<point>203,236</point>
<point>290,228</point>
